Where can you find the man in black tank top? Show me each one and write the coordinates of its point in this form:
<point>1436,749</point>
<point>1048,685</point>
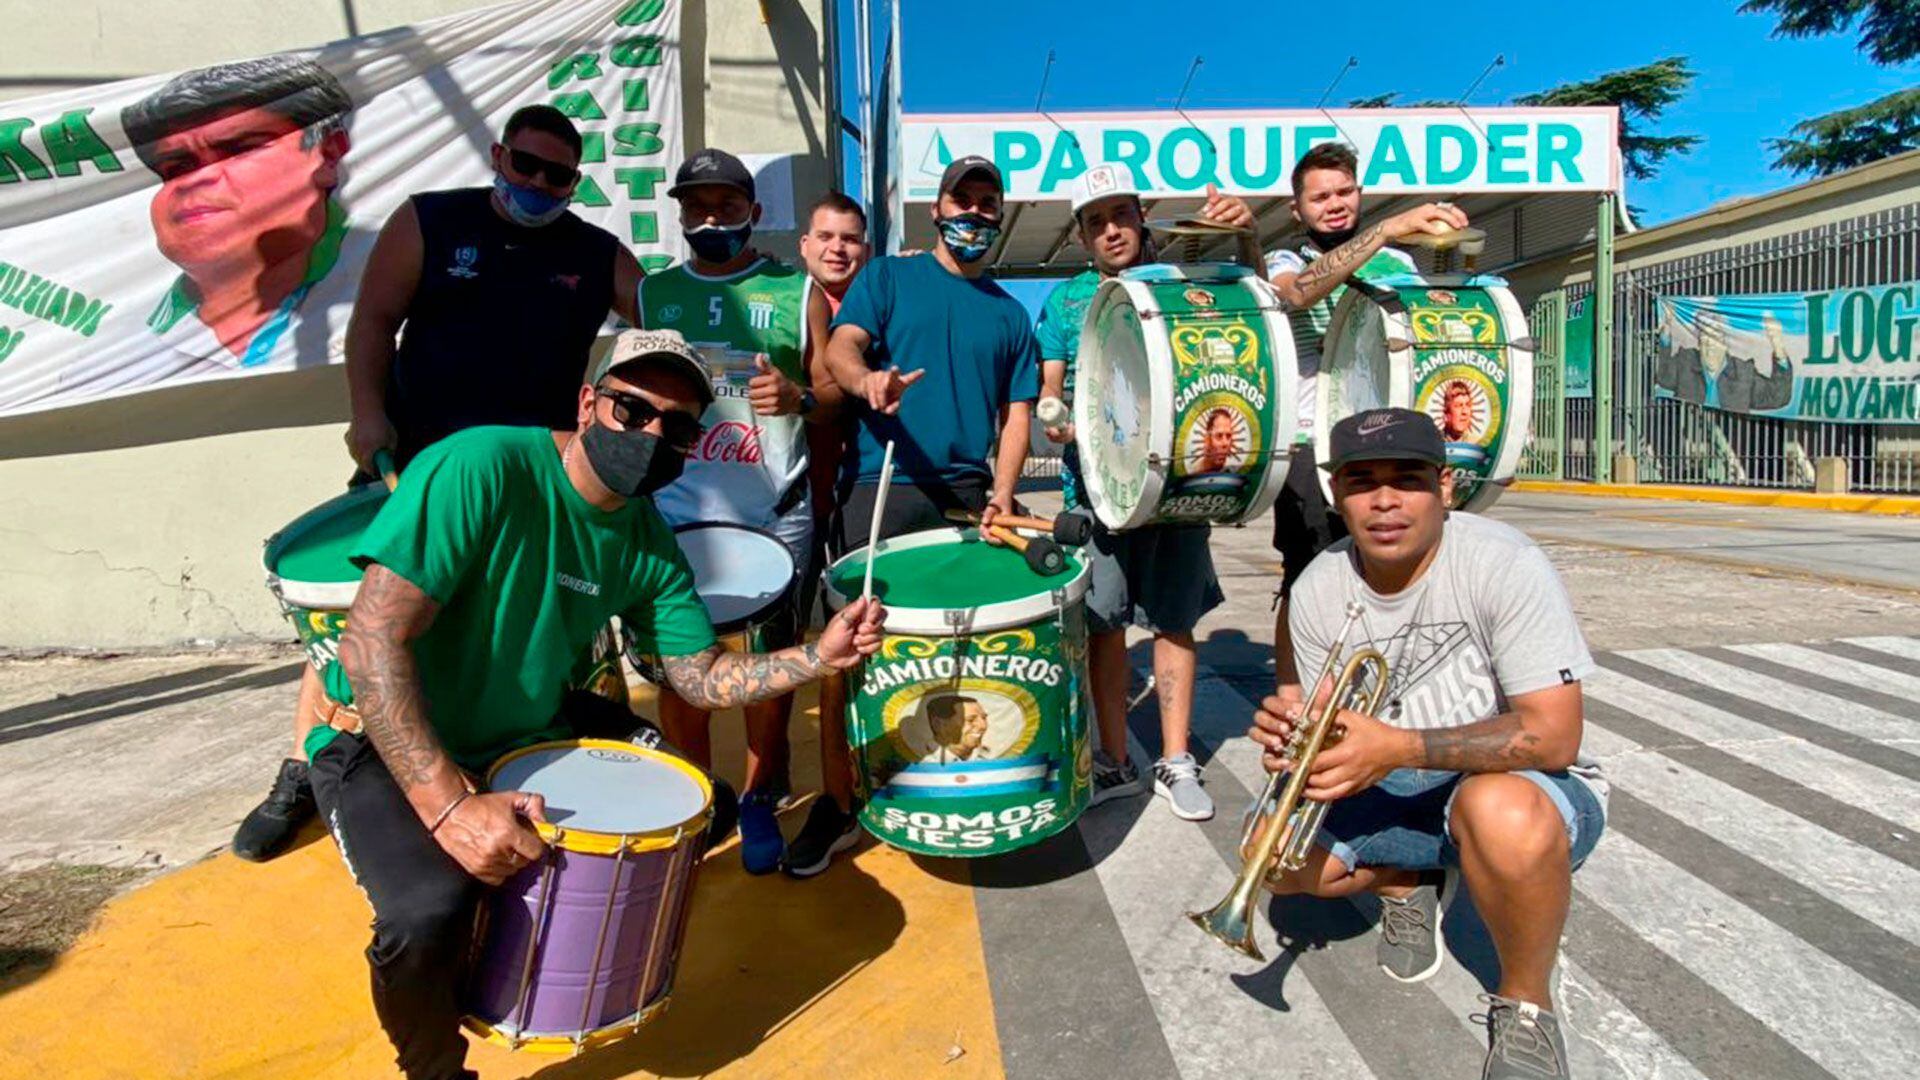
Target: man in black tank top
<point>495,295</point>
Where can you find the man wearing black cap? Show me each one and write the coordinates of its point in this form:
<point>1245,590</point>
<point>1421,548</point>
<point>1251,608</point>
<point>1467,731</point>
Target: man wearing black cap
<point>1474,766</point>
<point>935,319</point>
<point>762,328</point>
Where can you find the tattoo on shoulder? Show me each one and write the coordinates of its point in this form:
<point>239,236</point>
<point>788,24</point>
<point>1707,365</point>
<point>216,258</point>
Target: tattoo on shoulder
<point>387,613</point>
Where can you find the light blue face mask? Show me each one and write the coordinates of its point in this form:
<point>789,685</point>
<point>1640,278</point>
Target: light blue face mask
<point>969,236</point>
<point>527,206</point>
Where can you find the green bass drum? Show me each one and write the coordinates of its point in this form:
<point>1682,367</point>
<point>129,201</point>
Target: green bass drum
<point>969,726</point>
<point>1451,346</point>
<point>1183,397</point>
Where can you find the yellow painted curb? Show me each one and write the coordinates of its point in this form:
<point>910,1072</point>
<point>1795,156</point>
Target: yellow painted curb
<point>1799,500</point>
<point>874,969</point>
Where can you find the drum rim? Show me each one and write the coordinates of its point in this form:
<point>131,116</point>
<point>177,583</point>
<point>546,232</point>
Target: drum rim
<point>1159,426</point>
<point>760,614</point>
<point>985,617</point>
<point>314,595</point>
<point>595,842</point>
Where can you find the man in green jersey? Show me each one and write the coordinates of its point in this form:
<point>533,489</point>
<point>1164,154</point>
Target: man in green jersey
<point>761,326</point>
<point>1311,278</point>
<point>1160,578</point>
<point>487,572</point>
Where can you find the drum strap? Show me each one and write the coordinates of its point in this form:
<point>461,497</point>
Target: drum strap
<point>796,492</point>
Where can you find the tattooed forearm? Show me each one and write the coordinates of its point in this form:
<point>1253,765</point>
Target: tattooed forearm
<point>1501,744</point>
<point>721,680</point>
<point>1328,271</point>
<point>388,613</point>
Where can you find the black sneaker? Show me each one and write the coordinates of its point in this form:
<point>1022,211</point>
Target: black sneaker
<point>829,829</point>
<point>268,830</point>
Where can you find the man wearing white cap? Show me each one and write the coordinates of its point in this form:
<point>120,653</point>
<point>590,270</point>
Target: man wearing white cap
<point>1161,578</point>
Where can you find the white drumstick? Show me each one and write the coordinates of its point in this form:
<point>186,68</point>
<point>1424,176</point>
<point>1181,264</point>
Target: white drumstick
<point>879,515</point>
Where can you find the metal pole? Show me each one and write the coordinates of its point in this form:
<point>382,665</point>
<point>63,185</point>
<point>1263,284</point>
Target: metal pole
<point>1603,339</point>
<point>1559,413</point>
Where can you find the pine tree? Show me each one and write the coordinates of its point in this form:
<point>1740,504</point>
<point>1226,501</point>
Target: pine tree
<point>1851,137</point>
<point>1642,94</point>
<point>1889,29</point>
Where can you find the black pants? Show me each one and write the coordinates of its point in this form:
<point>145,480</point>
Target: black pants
<point>424,903</point>
<point>1303,524</point>
<point>910,508</point>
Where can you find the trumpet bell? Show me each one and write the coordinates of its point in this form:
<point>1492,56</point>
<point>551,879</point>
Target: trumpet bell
<point>1227,923</point>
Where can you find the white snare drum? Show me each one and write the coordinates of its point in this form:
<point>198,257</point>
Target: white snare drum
<point>745,577</point>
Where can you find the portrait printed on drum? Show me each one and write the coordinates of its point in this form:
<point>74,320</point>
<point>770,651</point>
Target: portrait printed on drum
<point>1219,442</point>
<point>956,725</point>
<point>1464,407</point>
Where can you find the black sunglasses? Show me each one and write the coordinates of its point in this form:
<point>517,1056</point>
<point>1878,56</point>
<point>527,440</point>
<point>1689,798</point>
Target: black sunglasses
<point>679,430</point>
<point>534,165</point>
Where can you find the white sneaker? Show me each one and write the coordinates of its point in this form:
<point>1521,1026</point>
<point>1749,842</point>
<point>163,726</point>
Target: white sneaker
<point>1177,779</point>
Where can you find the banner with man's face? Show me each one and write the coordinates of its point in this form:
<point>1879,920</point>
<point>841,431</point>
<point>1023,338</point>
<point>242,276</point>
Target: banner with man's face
<point>212,223</point>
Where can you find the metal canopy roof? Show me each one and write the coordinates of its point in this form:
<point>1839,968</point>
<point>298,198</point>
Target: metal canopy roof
<point>1039,241</point>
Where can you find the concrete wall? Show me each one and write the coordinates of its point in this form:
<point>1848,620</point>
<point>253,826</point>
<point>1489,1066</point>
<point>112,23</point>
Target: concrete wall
<point>139,522</point>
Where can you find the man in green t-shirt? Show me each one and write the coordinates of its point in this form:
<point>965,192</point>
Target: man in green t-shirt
<point>487,573</point>
<point>1159,578</point>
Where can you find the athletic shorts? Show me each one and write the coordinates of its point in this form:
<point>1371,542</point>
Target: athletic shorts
<point>1402,821</point>
<point>1159,578</point>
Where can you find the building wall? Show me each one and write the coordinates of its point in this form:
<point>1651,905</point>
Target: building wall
<point>139,522</point>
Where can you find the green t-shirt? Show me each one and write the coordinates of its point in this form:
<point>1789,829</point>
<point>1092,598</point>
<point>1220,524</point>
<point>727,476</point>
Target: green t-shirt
<point>1058,334</point>
<point>525,570</point>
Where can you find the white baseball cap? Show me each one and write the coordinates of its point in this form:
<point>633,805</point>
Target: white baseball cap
<point>1100,182</point>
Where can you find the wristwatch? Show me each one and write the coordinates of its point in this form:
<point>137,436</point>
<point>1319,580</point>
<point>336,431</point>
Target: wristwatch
<point>806,401</point>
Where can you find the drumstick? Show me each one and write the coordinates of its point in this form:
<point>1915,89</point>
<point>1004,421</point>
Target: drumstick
<point>1043,556</point>
<point>383,464</point>
<point>1074,529</point>
<point>879,515</point>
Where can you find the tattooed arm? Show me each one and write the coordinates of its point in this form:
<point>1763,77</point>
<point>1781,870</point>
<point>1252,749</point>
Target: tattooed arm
<point>721,680</point>
<point>486,834</point>
<point>1542,731</point>
<point>376,652</point>
<point>1331,270</point>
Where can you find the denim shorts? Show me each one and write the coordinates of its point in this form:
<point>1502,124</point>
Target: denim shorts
<point>1402,821</point>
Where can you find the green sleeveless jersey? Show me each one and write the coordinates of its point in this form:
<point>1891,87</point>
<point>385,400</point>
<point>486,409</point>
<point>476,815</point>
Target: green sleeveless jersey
<point>746,467</point>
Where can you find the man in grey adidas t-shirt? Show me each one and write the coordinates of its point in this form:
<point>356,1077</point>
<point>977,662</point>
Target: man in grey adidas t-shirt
<point>1474,762</point>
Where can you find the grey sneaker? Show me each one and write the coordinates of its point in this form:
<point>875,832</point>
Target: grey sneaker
<point>1114,780</point>
<point>1177,779</point>
<point>1410,947</point>
<point>1523,1042</point>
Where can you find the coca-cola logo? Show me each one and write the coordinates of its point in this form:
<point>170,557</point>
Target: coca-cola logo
<point>730,441</point>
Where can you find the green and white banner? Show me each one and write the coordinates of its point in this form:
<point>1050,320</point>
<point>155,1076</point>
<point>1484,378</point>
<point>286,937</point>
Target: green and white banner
<point>212,223</point>
<point>1844,355</point>
<point>1579,346</point>
<point>1253,153</point>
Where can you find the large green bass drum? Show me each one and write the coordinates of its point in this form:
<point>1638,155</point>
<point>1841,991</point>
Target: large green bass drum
<point>1183,396</point>
<point>1455,347</point>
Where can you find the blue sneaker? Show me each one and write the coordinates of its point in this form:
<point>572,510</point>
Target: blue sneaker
<point>761,845</point>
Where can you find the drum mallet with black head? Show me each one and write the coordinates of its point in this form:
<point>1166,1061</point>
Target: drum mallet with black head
<point>1073,528</point>
<point>1043,556</point>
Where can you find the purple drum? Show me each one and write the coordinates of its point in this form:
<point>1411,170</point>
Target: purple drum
<point>580,948</point>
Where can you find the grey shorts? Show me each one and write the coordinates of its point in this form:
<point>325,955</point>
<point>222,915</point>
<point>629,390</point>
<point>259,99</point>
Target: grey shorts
<point>1159,578</point>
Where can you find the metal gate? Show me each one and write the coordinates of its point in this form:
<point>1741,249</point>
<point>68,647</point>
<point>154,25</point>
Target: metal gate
<point>1541,459</point>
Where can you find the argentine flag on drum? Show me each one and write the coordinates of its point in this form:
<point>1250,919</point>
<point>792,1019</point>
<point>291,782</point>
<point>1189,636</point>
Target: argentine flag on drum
<point>966,779</point>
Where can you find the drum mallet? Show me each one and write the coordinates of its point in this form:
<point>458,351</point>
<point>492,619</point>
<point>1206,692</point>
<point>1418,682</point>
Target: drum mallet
<point>383,464</point>
<point>1074,528</point>
<point>1043,556</point>
<point>1052,412</point>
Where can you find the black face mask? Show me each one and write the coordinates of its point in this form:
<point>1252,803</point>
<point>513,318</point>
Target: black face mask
<point>631,463</point>
<point>1327,241</point>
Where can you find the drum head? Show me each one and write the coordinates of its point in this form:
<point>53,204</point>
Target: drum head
<point>922,577</point>
<point>602,786</point>
<point>307,562</point>
<point>740,573</point>
<point>1119,431</point>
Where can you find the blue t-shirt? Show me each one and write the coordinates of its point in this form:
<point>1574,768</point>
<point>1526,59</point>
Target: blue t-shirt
<point>978,352</point>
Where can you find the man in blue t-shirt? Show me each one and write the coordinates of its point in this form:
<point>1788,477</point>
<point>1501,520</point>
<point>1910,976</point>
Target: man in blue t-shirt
<point>934,357</point>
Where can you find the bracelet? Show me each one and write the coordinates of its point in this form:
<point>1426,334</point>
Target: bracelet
<point>444,814</point>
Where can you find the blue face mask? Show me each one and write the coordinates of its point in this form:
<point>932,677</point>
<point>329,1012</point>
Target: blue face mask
<point>718,243</point>
<point>527,206</point>
<point>968,236</point>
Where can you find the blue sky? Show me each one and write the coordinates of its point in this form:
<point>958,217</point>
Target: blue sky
<point>988,56</point>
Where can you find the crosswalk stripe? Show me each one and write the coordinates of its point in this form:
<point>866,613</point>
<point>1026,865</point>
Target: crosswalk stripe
<point>1831,1013</point>
<point>1907,648</point>
<point>1846,778</point>
<point>1844,676</point>
<point>1841,742</point>
<point>1839,818</point>
<point>1868,655</point>
<point>1789,693</point>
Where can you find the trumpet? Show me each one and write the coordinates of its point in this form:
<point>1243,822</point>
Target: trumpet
<point>1285,837</point>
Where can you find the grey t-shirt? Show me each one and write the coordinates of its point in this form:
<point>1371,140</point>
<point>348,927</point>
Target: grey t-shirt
<point>1489,620</point>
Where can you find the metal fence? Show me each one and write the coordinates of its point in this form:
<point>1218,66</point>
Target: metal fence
<point>1678,442</point>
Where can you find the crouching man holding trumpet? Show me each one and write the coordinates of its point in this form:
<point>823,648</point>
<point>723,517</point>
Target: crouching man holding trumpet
<point>1472,767</point>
